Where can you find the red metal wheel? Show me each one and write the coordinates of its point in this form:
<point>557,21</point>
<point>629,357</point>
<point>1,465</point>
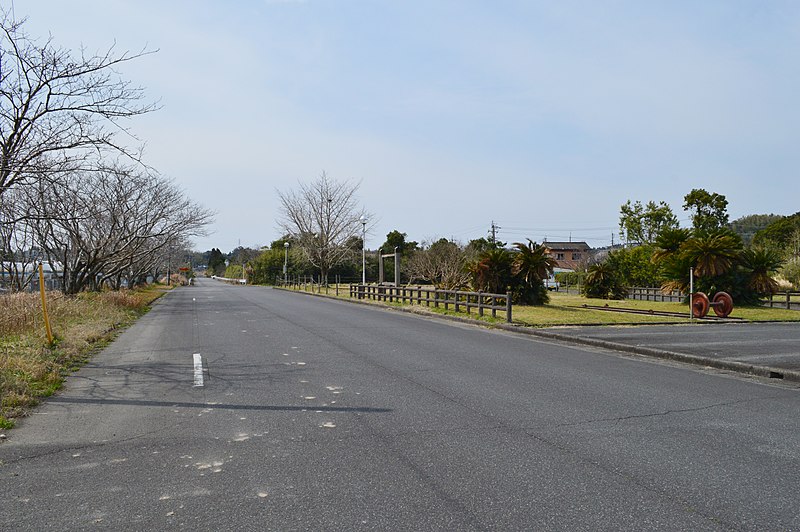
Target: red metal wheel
<point>723,304</point>
<point>700,304</point>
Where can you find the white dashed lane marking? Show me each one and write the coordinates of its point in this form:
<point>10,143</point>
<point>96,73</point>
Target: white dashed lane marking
<point>198,369</point>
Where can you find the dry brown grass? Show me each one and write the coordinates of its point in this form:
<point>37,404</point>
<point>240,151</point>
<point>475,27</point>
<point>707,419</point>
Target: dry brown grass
<point>22,312</point>
<point>29,368</point>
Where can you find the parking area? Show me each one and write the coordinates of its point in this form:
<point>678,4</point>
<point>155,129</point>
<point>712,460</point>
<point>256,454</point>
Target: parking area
<point>772,345</point>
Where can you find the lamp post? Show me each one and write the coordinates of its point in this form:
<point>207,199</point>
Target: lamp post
<point>363,221</point>
<point>169,266</point>
<point>691,293</point>
<point>286,263</point>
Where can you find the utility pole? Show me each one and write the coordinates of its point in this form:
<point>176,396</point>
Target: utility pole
<point>494,229</point>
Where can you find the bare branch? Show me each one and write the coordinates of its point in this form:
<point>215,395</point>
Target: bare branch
<point>55,106</point>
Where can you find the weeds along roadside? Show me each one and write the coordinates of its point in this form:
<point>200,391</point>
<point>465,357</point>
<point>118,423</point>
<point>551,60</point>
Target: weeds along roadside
<point>30,369</point>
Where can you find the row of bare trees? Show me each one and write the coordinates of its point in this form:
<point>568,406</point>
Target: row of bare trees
<point>72,192</point>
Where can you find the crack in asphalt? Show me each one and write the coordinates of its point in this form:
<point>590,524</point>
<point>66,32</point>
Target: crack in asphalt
<point>82,447</point>
<point>668,412</point>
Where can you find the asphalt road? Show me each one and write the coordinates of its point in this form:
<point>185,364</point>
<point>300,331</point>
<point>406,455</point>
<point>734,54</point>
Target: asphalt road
<point>322,415</point>
<point>775,345</point>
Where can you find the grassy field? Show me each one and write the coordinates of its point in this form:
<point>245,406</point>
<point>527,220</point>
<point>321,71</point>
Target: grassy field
<point>29,368</point>
<point>568,309</point>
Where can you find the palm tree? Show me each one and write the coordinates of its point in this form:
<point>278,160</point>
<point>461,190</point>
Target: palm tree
<point>712,254</point>
<point>532,265</point>
<point>492,271</point>
<point>669,243</point>
<point>601,281</point>
<point>674,264</point>
<point>760,264</point>
<point>532,262</point>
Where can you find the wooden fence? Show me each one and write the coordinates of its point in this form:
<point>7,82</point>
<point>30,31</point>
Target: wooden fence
<point>310,284</point>
<point>438,298</point>
<point>655,294</point>
<point>787,300</point>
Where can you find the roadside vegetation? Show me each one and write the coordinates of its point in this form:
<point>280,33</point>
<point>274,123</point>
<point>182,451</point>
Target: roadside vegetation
<point>30,369</point>
<point>751,259</point>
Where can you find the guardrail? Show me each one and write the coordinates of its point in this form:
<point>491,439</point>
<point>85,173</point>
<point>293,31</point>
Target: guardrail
<point>229,280</point>
<point>420,295</point>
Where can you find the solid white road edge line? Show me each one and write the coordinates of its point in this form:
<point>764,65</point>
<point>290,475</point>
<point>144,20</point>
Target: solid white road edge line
<point>198,369</point>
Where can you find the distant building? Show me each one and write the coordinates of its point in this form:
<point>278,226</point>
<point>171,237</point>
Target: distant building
<point>26,273</point>
<point>568,255</point>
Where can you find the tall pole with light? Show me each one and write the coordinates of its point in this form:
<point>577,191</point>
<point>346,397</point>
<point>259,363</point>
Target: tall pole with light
<point>286,263</point>
<point>363,221</point>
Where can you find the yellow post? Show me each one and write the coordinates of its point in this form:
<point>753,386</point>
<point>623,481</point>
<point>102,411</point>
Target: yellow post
<point>44,306</point>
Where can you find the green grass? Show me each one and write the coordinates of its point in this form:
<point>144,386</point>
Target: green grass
<point>568,309</point>
<point>575,302</point>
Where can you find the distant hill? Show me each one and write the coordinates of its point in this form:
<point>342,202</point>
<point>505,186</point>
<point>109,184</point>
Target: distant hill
<point>783,233</point>
<point>747,226</point>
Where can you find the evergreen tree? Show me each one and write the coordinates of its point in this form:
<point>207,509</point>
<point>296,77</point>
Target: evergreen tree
<point>216,262</point>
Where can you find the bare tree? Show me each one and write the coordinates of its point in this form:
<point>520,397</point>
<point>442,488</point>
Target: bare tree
<point>321,217</point>
<point>442,263</point>
<point>57,107</point>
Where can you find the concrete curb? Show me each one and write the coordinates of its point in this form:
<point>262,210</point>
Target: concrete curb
<point>727,365</point>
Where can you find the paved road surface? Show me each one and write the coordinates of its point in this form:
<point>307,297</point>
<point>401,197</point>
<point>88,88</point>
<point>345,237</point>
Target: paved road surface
<point>775,345</point>
<point>321,415</point>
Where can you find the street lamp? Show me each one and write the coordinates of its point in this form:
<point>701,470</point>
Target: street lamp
<point>286,263</point>
<point>363,221</point>
<point>169,266</point>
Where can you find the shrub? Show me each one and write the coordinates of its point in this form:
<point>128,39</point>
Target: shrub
<point>791,272</point>
<point>571,278</point>
<point>602,282</point>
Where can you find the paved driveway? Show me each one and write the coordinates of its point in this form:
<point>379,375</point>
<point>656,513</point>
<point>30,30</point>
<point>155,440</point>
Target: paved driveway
<point>774,345</point>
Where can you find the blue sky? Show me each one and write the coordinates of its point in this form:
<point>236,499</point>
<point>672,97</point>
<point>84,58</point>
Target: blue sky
<point>542,116</point>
